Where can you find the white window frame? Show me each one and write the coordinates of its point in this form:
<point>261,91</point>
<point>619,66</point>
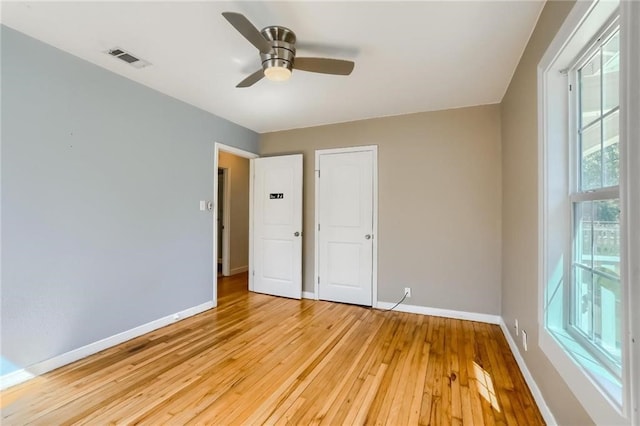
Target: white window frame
<point>584,20</point>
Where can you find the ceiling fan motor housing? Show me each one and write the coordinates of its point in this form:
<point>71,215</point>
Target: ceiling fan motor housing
<point>283,48</point>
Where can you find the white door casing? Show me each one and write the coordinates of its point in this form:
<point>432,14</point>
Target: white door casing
<point>345,225</point>
<point>276,254</point>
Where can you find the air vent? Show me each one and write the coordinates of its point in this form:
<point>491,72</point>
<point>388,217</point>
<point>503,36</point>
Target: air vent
<point>128,58</point>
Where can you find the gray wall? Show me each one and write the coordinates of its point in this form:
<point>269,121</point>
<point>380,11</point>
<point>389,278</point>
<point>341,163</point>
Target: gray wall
<point>239,210</point>
<point>439,202</point>
<point>520,214</point>
<point>101,178</point>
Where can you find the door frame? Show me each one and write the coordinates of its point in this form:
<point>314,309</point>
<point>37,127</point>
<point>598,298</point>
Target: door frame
<point>226,221</point>
<point>217,147</point>
<point>374,265</point>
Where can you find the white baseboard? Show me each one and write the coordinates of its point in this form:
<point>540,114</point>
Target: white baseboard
<point>437,312</point>
<point>19,376</point>
<point>308,295</point>
<point>238,270</point>
<point>533,386</point>
<point>14,378</point>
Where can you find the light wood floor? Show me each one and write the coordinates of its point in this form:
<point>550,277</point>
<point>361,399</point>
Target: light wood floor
<point>260,359</point>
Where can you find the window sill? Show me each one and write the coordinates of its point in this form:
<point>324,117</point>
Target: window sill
<point>602,408</point>
<point>607,382</point>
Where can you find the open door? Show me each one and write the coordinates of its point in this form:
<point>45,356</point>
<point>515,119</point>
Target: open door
<point>277,226</point>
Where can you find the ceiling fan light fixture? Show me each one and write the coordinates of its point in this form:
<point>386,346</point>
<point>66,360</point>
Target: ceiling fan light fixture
<point>277,49</point>
<point>277,73</point>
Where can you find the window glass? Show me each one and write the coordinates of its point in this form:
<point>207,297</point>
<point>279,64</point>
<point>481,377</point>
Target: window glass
<point>589,76</point>
<point>591,162</point>
<point>611,72</point>
<point>606,235</point>
<point>583,233</point>
<point>583,301</point>
<point>611,154</point>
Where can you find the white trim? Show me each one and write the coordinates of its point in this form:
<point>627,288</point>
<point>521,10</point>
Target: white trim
<point>316,218</point>
<point>376,234</point>
<point>572,29</point>
<point>58,361</point>
<point>438,312</point>
<point>251,190</point>
<point>217,147</point>
<point>316,262</point>
<point>239,270</point>
<point>630,195</point>
<point>235,151</point>
<point>596,194</point>
<point>15,378</point>
<point>547,415</point>
<point>309,295</point>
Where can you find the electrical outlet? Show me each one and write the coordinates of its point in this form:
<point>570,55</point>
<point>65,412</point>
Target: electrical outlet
<point>407,291</point>
<point>524,340</point>
<point>517,327</point>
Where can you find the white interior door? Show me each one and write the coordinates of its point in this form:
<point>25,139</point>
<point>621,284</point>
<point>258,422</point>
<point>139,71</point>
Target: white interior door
<point>277,226</point>
<point>345,232</point>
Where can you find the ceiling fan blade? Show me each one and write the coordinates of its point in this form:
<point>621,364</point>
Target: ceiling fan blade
<point>324,65</point>
<point>252,79</point>
<point>248,30</point>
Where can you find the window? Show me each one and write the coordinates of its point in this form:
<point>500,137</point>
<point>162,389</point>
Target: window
<point>589,168</point>
<point>595,312</point>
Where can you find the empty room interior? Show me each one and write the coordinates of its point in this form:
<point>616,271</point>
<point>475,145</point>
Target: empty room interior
<point>355,212</point>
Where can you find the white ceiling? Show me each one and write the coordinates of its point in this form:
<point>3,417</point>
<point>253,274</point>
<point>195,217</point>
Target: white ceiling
<point>410,56</point>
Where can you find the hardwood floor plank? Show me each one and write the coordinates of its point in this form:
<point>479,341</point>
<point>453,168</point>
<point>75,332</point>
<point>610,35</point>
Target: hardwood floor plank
<point>418,390</point>
<point>363,408</point>
<point>470,355</point>
<point>257,359</point>
<point>439,359</point>
<point>401,404</point>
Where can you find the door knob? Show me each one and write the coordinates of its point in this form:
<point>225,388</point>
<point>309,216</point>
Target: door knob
<point>368,236</point>
<point>296,234</point>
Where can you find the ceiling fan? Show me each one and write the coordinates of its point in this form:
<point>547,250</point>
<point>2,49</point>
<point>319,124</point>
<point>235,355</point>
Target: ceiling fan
<point>278,53</point>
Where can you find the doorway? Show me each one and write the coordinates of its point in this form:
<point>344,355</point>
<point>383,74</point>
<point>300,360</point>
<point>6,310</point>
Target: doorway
<point>231,215</point>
